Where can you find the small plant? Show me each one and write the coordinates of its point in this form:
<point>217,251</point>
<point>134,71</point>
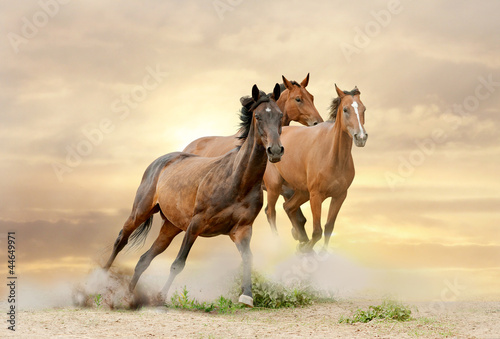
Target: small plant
<point>221,305</point>
<point>269,294</point>
<point>181,300</point>
<point>390,310</point>
<point>266,294</point>
<point>97,300</point>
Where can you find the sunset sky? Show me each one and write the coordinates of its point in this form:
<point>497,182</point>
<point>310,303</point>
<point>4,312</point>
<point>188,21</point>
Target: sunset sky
<point>92,92</point>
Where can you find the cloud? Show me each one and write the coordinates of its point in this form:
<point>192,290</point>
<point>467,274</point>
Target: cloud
<point>429,58</point>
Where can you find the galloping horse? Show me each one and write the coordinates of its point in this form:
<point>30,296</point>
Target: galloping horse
<point>319,167</point>
<point>208,196</point>
<point>296,103</point>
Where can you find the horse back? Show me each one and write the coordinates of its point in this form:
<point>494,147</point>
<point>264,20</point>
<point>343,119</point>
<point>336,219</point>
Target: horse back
<point>212,146</point>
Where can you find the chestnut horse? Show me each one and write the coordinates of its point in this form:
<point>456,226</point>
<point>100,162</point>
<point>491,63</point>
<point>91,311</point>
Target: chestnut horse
<point>208,196</point>
<point>319,167</point>
<point>296,103</point>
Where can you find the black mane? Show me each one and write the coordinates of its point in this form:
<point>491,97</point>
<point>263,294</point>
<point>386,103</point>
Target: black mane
<point>336,102</point>
<point>246,113</point>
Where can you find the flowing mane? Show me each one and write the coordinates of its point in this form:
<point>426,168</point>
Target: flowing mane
<point>246,113</point>
<point>336,102</point>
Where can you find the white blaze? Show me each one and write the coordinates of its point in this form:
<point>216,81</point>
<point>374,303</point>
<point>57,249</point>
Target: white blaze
<point>268,109</point>
<point>355,106</point>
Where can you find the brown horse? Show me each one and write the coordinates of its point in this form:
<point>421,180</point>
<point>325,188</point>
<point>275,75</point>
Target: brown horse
<point>208,196</point>
<point>319,167</point>
<point>296,103</point>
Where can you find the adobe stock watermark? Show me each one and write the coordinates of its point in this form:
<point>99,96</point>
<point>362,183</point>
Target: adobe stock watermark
<point>453,118</point>
<point>449,293</point>
<point>364,36</point>
<point>221,7</point>
<point>31,25</point>
<point>93,134</point>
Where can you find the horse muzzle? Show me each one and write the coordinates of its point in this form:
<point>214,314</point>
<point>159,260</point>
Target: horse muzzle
<point>275,152</point>
<point>360,139</point>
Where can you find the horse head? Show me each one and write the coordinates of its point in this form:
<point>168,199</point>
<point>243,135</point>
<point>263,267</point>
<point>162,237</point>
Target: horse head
<point>298,103</point>
<point>352,111</point>
<point>267,119</point>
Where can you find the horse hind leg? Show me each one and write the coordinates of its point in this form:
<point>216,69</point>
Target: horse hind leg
<point>140,216</point>
<point>300,219</point>
<point>178,265</point>
<point>167,233</point>
<point>291,206</point>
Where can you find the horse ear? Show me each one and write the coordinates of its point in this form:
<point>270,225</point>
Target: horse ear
<point>287,83</point>
<point>276,92</point>
<point>255,93</point>
<point>305,81</point>
<point>340,93</point>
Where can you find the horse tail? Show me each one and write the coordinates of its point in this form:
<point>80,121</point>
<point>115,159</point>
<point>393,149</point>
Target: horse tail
<point>138,237</point>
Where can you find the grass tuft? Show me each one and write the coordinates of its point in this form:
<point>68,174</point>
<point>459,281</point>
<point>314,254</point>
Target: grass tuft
<point>390,310</point>
<point>266,294</point>
<point>221,305</point>
<point>269,294</point>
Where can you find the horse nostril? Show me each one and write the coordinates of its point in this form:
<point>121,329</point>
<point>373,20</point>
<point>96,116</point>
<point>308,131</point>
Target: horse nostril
<point>269,150</point>
<point>315,123</point>
<point>282,149</point>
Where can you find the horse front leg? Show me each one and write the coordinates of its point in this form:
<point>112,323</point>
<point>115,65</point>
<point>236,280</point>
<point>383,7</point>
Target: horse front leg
<point>333,211</point>
<point>241,237</point>
<point>315,201</point>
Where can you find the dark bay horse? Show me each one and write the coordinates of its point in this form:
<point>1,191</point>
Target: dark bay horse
<point>319,167</point>
<point>296,103</point>
<point>208,196</point>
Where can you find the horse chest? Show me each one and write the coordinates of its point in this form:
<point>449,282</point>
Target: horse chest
<point>331,183</point>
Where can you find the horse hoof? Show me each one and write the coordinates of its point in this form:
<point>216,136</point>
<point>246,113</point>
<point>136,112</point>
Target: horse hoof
<point>304,248</point>
<point>246,300</point>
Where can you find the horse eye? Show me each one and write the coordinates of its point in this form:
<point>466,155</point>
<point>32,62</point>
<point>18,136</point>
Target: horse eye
<point>345,109</point>
<point>297,99</point>
<point>257,117</point>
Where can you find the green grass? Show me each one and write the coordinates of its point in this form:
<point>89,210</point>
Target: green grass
<point>97,300</point>
<point>266,294</point>
<point>390,310</point>
<point>221,305</point>
<point>269,294</point>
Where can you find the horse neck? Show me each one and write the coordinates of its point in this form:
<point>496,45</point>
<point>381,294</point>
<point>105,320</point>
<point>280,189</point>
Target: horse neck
<point>342,143</point>
<point>250,163</point>
<point>282,105</point>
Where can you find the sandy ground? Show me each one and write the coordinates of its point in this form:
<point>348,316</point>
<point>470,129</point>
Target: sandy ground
<point>458,320</point>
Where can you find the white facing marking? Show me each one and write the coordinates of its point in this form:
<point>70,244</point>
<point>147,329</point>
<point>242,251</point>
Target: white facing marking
<point>355,106</point>
<point>268,109</point>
